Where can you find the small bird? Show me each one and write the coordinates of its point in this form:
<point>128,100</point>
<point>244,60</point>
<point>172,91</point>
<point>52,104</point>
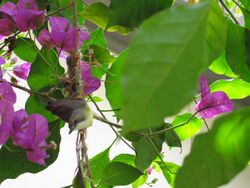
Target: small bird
<point>74,111</point>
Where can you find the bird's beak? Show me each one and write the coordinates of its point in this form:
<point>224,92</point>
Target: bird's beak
<point>71,130</point>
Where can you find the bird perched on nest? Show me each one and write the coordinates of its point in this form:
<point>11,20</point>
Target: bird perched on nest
<point>74,111</point>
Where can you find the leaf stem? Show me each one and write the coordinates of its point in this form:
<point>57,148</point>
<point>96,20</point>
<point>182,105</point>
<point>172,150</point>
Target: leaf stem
<point>59,10</point>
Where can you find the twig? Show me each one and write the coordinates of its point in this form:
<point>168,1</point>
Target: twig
<point>205,122</point>
<point>30,91</point>
<point>97,117</point>
<point>171,128</point>
<point>111,126</point>
<point>229,12</point>
<point>59,10</point>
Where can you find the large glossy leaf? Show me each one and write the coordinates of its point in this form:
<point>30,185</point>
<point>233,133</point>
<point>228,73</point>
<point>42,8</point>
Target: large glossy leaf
<point>220,66</point>
<point>131,13</point>
<point>237,47</point>
<point>25,49</point>
<point>190,129</point>
<point>113,84</point>
<point>165,59</point>
<point>234,88</point>
<point>118,173</point>
<point>214,160</point>
<point>45,71</point>
<point>14,162</point>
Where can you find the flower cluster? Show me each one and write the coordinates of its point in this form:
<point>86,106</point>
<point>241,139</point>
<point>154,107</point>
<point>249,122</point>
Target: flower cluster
<point>90,83</point>
<point>24,15</point>
<point>62,36</point>
<point>27,131</point>
<point>212,104</point>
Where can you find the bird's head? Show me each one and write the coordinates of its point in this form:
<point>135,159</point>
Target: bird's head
<point>80,119</point>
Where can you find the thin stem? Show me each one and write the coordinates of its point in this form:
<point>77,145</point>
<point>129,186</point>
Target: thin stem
<point>158,153</point>
<point>205,122</point>
<point>97,117</point>
<point>30,91</point>
<point>59,10</point>
<point>111,126</point>
<point>229,12</point>
<point>174,127</point>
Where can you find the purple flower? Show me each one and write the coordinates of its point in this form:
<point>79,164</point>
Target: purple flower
<point>212,104</point>
<point>90,83</point>
<point>149,170</point>
<point>6,92</point>
<point>2,61</point>
<point>7,27</point>
<point>25,15</point>
<point>63,35</point>
<point>45,39</point>
<point>30,133</point>
<point>22,71</point>
<point>6,117</point>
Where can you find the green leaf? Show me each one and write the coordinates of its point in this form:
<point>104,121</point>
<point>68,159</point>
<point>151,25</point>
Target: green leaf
<point>237,47</point>
<point>218,156</point>
<point>220,66</point>
<point>125,158</point>
<point>131,13</point>
<point>155,82</point>
<point>112,84</point>
<point>96,38</point>
<point>140,181</point>
<point>169,171</point>
<point>104,58</point>
<point>118,173</point>
<point>234,88</point>
<point>171,137</point>
<point>98,163</point>
<point>98,13</point>
<point>45,71</point>
<point>37,105</point>
<point>14,162</point>
<point>25,49</point>
<point>188,130</point>
<point>145,151</point>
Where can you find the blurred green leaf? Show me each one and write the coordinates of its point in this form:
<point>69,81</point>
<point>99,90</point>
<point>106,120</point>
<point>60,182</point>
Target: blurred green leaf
<point>237,47</point>
<point>140,181</point>
<point>220,66</point>
<point>131,13</point>
<point>234,88</point>
<point>14,163</point>
<point>98,13</point>
<point>218,156</point>
<point>118,173</point>
<point>25,49</point>
<point>155,82</point>
<point>113,84</point>
<point>188,130</point>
